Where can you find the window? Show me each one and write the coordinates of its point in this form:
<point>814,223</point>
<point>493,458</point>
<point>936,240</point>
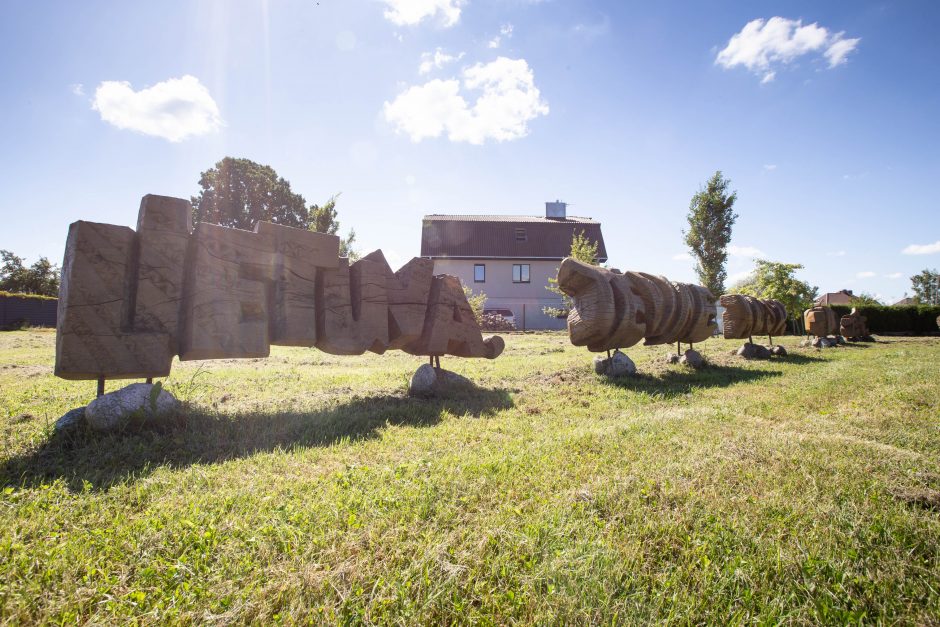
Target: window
<point>520,273</point>
<point>521,235</point>
<point>479,273</point>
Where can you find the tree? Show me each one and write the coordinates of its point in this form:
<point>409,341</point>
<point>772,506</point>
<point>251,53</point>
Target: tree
<point>40,278</point>
<point>864,299</point>
<point>322,219</point>
<point>582,249</point>
<point>476,301</point>
<point>239,193</point>
<point>926,286</point>
<point>771,279</point>
<point>710,220</point>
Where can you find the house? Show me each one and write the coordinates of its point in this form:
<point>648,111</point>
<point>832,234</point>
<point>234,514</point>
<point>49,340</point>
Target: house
<point>842,297</point>
<point>509,258</point>
<point>905,302</point>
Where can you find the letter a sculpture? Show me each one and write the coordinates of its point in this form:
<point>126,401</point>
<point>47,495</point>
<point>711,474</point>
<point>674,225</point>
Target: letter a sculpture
<point>132,300</point>
<point>615,310</point>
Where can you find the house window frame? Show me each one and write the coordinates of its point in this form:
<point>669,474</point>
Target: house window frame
<point>479,265</point>
<point>528,273</point>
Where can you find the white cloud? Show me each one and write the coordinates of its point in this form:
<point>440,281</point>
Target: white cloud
<point>509,100</point>
<point>866,275</point>
<point>836,253</point>
<point>737,277</point>
<point>922,249</point>
<point>895,275</point>
<point>840,49</point>
<point>437,59</point>
<point>175,109</point>
<point>744,251</point>
<point>504,31</point>
<point>764,45</point>
<point>770,167</point>
<point>411,12</point>
<point>78,89</point>
<point>682,257</point>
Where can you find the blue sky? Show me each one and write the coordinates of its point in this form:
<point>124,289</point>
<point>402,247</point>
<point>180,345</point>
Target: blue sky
<point>825,118</point>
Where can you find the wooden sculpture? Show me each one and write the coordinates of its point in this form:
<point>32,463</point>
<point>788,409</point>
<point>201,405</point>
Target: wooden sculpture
<point>820,321</point>
<point>854,325</point>
<point>616,310</point>
<point>132,300</point>
<point>745,316</point>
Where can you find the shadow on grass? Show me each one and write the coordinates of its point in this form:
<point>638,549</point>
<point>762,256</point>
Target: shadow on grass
<point>796,358</point>
<point>198,437</point>
<point>671,383</point>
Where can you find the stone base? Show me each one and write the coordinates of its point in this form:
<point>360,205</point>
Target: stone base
<point>619,365</point>
<point>428,381</point>
<point>778,351</point>
<point>754,351</point>
<point>136,403</point>
<point>672,358</point>
<point>693,359</point>
<point>70,420</point>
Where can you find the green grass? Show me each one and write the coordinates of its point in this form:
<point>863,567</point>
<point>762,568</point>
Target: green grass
<point>310,488</point>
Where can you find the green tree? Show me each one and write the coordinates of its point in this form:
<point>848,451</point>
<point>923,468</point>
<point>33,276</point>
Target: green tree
<point>40,278</point>
<point>477,301</point>
<point>582,249</point>
<point>322,219</point>
<point>771,279</point>
<point>864,299</point>
<point>926,286</point>
<point>240,193</point>
<point>711,217</point>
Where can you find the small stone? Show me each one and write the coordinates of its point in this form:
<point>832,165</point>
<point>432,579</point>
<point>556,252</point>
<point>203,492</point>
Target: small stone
<point>778,351</point>
<point>839,339</point>
<point>600,365</point>
<point>806,343</point>
<point>117,409</point>
<point>692,359</point>
<point>671,358</point>
<point>429,381</point>
<point>824,342</point>
<point>422,381</point>
<point>753,351</point>
<point>620,365</point>
<point>70,420</point>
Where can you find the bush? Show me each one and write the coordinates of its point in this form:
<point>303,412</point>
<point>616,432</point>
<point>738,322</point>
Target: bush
<point>31,296</point>
<point>889,319</point>
<point>495,322</point>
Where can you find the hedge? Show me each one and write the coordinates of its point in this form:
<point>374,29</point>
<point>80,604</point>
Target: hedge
<point>888,319</point>
<point>35,296</point>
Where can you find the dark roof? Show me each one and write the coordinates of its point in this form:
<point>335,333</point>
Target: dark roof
<point>495,237</point>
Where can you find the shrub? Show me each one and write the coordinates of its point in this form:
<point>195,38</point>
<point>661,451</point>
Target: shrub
<point>889,319</point>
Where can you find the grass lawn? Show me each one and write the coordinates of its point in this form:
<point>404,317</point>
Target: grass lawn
<point>309,488</point>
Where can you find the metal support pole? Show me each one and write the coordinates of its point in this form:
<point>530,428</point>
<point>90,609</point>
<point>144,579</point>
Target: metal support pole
<point>608,353</point>
<point>770,338</point>
<point>431,357</point>
<point>149,380</point>
<point>750,339</point>
<point>100,386</point>
<point>678,348</point>
<point>438,359</point>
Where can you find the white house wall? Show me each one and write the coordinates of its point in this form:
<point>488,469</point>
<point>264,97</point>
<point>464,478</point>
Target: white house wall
<point>526,300</point>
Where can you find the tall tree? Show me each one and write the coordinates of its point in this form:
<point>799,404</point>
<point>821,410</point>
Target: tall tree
<point>40,278</point>
<point>710,220</point>
<point>322,219</point>
<point>239,193</point>
<point>771,279</point>
<point>582,249</point>
<point>926,286</point>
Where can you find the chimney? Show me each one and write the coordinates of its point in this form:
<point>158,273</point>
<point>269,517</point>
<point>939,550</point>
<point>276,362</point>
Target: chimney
<point>556,210</point>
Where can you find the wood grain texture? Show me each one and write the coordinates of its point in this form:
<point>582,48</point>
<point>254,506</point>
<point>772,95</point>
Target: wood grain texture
<point>613,310</point>
<point>130,301</point>
<point>745,316</point>
<point>820,321</point>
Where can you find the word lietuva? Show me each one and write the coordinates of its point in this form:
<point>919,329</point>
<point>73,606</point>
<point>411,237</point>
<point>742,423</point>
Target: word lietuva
<point>132,300</point>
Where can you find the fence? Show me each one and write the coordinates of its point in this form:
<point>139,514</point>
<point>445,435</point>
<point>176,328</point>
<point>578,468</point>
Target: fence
<point>24,310</point>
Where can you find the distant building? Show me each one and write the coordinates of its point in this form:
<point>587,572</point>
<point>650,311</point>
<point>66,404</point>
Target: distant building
<point>510,258</point>
<point>842,297</point>
<point>907,300</point>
